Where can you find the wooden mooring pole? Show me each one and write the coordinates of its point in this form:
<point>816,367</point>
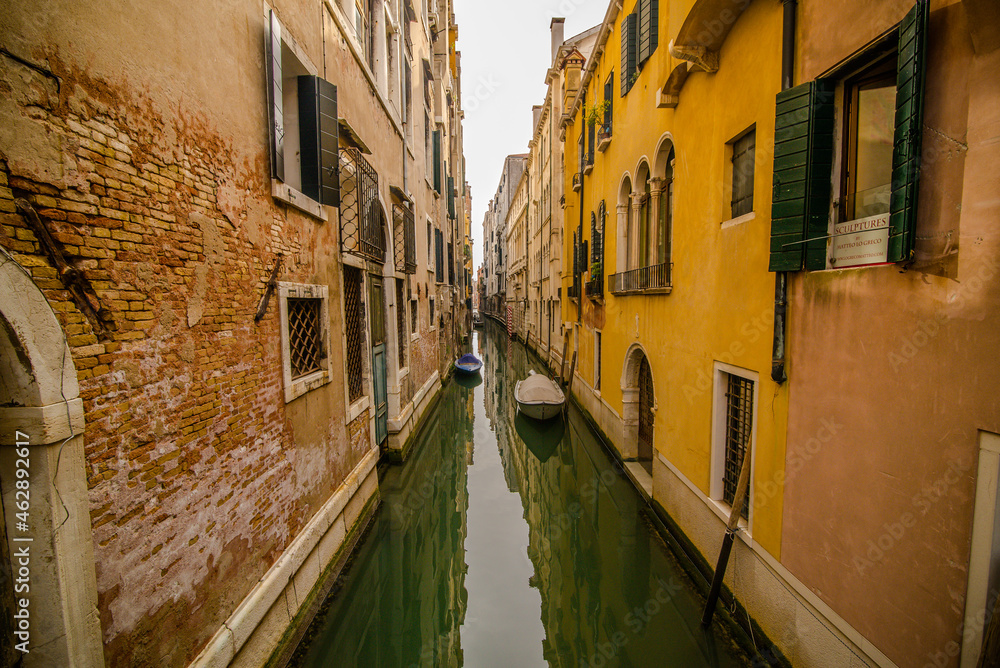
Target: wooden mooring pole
<point>727,541</point>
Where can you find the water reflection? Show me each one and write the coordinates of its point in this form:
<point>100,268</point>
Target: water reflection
<point>504,541</point>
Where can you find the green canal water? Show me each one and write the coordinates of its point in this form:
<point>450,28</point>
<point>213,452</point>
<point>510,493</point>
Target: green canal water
<point>507,542</point>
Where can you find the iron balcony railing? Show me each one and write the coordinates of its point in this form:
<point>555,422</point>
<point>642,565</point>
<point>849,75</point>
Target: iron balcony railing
<point>652,279</point>
<point>594,288</point>
<point>404,239</point>
<point>362,223</point>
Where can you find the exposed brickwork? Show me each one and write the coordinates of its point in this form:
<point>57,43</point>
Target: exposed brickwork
<point>196,480</point>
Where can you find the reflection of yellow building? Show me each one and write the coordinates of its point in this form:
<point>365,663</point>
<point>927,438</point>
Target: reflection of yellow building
<point>668,180</point>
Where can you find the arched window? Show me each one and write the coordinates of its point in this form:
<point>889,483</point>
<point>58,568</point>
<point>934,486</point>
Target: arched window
<point>662,193</point>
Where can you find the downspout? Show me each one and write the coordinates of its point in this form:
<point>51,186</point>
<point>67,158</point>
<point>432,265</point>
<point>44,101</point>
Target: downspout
<point>778,374</point>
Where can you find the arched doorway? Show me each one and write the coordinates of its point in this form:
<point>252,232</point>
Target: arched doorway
<point>645,446</point>
<point>41,431</point>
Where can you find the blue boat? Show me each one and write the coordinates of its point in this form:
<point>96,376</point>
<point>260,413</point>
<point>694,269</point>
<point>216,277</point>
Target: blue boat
<point>468,363</point>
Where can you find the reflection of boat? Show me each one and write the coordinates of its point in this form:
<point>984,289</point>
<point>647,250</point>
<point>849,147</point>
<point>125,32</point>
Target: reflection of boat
<point>477,318</point>
<point>542,438</point>
<point>468,363</point>
<point>469,380</point>
<point>538,396</point>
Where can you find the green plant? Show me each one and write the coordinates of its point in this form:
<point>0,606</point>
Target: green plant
<point>595,267</point>
<point>595,114</point>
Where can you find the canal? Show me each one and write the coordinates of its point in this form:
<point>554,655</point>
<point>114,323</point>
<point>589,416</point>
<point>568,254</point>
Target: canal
<point>506,542</point>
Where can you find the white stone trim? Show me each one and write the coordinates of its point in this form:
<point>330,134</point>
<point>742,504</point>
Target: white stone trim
<point>739,220</point>
<point>42,424</point>
<point>718,452</point>
<point>237,630</point>
<point>294,198</point>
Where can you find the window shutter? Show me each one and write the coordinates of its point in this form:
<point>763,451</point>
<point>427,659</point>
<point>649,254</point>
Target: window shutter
<point>593,237</point>
<point>628,51</point>
<point>906,142</point>
<point>437,161</point>
<point>803,154</point>
<point>590,142</point>
<point>648,11</point>
<point>451,197</point>
<point>274,110</point>
<point>609,91</point>
<point>319,139</point>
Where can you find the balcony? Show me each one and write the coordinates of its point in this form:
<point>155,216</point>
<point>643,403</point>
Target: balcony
<point>594,288</point>
<point>573,291</point>
<point>654,279</point>
<point>603,138</point>
<point>577,181</point>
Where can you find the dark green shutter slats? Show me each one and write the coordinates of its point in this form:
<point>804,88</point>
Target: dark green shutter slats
<point>648,11</point>
<point>437,161</point>
<point>318,140</point>
<point>803,154</point>
<point>629,48</point>
<point>910,70</point>
<point>274,97</point>
<point>451,197</point>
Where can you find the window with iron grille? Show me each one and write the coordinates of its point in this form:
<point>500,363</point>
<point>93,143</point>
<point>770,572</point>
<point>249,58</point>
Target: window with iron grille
<point>413,316</point>
<point>430,322</point>
<point>438,256</point>
<point>401,336</point>
<point>743,167</point>
<point>451,264</point>
<point>304,315</point>
<point>304,340</point>
<point>739,428</point>
<point>354,331</point>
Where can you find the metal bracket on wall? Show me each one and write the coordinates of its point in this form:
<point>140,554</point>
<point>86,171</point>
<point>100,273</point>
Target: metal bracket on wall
<point>78,286</point>
<point>272,285</point>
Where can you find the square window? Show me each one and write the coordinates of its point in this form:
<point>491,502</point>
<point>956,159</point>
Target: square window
<point>305,341</point>
<point>734,422</point>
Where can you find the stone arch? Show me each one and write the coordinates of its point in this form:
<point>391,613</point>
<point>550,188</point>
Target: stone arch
<point>634,357</point>
<point>664,150</point>
<point>641,228</point>
<point>41,416</point>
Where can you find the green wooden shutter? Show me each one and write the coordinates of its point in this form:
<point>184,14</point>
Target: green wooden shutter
<point>437,161</point>
<point>648,13</point>
<point>275,115</point>
<point>451,197</point>
<point>319,139</point>
<point>628,64</point>
<point>803,155</point>
<point>910,70</point>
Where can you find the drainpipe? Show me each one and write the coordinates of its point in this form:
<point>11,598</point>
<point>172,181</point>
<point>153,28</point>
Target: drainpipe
<point>778,374</point>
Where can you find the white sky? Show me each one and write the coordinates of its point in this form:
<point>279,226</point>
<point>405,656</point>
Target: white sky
<point>506,50</point>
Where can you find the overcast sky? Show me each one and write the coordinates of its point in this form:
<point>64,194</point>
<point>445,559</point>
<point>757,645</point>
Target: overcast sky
<point>506,50</point>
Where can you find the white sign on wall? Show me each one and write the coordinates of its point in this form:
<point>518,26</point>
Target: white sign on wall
<point>860,242</point>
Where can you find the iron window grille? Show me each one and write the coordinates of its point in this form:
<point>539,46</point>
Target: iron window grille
<point>354,330</point>
<point>304,336</point>
<point>438,256</point>
<point>451,264</point>
<point>739,425</point>
<point>413,316</point>
<point>743,167</point>
<point>404,239</point>
<point>361,219</point>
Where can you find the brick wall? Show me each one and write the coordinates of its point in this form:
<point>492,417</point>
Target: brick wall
<point>198,478</point>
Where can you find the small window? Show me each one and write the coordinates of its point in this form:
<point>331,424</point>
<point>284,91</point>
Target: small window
<point>597,361</point>
<point>734,421</point>
<point>870,116</point>
<point>743,168</point>
<point>430,324</point>
<point>401,336</point>
<point>413,316</point>
<point>739,426</point>
<point>354,332</point>
<point>305,353</point>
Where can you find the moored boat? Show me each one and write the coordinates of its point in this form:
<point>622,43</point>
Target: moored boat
<point>539,396</point>
<point>468,364</point>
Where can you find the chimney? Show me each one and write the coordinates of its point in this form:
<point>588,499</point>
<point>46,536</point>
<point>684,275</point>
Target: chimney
<point>556,28</point>
<point>536,113</point>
